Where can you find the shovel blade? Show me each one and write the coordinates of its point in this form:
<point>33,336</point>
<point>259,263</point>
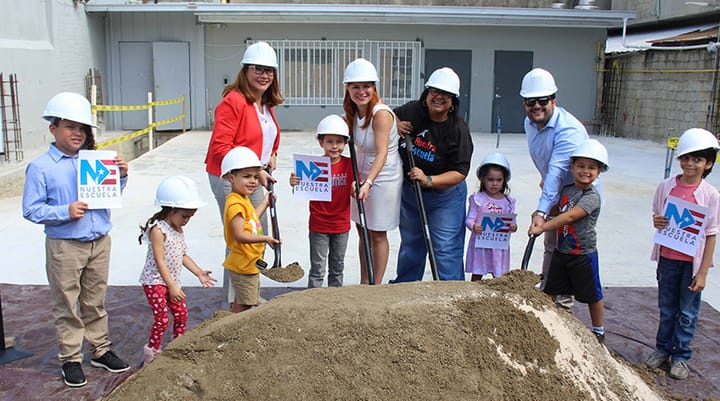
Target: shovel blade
<point>288,274</point>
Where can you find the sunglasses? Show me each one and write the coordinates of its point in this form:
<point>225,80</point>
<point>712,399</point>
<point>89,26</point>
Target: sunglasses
<point>441,94</point>
<point>542,100</point>
<point>260,70</point>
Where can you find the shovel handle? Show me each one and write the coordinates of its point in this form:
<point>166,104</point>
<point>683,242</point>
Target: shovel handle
<point>528,252</point>
<point>361,214</point>
<point>274,221</point>
<point>421,209</point>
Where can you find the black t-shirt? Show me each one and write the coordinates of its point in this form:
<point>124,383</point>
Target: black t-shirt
<point>438,147</point>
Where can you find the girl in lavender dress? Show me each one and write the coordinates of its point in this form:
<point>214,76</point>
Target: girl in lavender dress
<point>494,174</point>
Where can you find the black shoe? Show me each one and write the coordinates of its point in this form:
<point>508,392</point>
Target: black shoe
<point>111,362</point>
<point>73,374</point>
<point>600,337</point>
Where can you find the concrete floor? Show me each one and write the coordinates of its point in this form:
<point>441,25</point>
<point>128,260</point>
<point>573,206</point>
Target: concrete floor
<point>625,232</point>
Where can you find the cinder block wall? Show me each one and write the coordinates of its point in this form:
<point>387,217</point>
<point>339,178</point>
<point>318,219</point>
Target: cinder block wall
<point>656,103</point>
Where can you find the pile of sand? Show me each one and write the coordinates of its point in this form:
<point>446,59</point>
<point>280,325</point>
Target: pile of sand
<point>499,340</point>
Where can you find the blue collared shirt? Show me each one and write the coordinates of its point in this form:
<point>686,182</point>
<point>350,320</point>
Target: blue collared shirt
<point>550,150</point>
<point>50,187</point>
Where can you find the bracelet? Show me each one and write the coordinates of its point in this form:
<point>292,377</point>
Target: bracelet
<point>428,184</point>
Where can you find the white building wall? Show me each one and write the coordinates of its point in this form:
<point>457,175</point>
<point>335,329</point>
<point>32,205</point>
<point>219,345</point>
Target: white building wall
<point>156,27</point>
<point>50,45</point>
<point>569,54</point>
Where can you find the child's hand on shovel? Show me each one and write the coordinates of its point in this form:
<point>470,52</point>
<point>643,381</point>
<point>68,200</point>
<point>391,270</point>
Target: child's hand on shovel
<point>271,241</point>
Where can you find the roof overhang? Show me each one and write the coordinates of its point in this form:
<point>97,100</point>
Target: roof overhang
<point>213,13</point>
<point>661,39</point>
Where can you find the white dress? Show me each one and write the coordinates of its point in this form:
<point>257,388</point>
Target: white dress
<point>382,206</point>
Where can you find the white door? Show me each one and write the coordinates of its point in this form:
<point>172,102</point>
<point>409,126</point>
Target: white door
<point>136,80</point>
<point>171,70</point>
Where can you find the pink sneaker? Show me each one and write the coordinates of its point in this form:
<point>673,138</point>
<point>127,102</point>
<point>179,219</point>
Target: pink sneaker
<point>149,354</point>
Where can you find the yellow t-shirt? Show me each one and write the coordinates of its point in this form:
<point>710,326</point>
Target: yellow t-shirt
<point>242,257</point>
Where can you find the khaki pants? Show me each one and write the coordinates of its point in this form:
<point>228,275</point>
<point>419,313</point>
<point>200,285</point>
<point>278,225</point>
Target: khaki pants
<point>77,272</point>
<point>246,288</point>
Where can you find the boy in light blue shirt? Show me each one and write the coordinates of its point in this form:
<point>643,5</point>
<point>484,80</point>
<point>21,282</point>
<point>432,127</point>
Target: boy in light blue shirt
<point>77,244</point>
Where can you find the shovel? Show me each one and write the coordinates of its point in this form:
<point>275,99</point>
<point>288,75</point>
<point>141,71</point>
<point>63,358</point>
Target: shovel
<point>421,206</point>
<point>528,252</point>
<point>361,214</point>
<point>291,272</point>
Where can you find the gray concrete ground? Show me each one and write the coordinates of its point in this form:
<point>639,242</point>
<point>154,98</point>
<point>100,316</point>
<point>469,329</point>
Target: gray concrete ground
<point>625,231</point>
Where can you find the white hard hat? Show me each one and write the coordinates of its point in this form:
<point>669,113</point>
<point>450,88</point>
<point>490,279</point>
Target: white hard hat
<point>696,139</point>
<point>537,83</point>
<point>238,158</point>
<point>444,79</point>
<point>497,159</point>
<point>360,70</point>
<point>69,106</point>
<point>592,149</point>
<point>333,124</point>
<point>260,53</point>
<point>178,191</point>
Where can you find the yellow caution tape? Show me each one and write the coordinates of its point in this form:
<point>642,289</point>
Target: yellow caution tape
<point>123,138</point>
<point>104,107</point>
<point>169,120</point>
<point>167,102</point>
<point>136,134</point>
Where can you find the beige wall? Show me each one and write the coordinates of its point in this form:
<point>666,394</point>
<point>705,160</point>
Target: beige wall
<point>654,105</point>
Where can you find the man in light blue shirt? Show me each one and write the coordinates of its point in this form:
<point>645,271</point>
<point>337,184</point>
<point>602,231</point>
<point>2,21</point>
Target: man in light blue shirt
<point>553,134</point>
<point>77,246</point>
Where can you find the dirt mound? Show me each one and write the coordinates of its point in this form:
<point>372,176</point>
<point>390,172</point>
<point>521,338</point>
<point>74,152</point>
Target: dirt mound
<point>500,340</point>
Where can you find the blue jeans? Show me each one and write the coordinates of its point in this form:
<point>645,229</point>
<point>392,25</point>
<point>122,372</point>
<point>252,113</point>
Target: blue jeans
<point>445,211</point>
<point>679,308</point>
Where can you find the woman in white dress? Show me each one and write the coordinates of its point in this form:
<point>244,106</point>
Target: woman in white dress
<point>374,132</point>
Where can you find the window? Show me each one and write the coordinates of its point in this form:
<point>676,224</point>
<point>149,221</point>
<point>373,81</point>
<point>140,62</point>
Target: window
<point>311,71</point>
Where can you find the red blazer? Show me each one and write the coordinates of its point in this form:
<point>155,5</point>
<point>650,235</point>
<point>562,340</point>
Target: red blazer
<point>236,124</point>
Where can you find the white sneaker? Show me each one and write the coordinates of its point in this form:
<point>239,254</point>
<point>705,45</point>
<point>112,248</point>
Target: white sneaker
<point>149,354</point>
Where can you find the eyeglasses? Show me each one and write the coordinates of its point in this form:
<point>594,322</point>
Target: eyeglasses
<point>438,93</point>
<point>542,100</point>
<point>260,70</point>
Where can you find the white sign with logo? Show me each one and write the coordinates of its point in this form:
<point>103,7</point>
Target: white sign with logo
<point>315,178</point>
<point>496,230</point>
<point>99,179</point>
<point>685,228</point>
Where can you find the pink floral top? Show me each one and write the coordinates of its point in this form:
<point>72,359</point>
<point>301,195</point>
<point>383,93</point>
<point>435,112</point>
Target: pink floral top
<point>175,250</point>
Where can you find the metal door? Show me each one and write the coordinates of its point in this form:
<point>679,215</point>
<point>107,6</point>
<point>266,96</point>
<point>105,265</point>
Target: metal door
<point>171,71</point>
<point>461,62</point>
<point>509,69</point>
<point>136,80</point>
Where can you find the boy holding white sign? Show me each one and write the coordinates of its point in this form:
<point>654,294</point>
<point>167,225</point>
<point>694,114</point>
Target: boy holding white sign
<point>681,275</point>
<point>574,268</point>
<point>77,242</point>
<point>329,222</point>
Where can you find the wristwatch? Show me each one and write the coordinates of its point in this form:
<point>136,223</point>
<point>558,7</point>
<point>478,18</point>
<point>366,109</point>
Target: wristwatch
<point>540,213</point>
<point>369,181</point>
<point>429,181</point>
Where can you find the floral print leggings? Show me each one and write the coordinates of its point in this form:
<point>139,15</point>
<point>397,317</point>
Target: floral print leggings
<point>158,297</point>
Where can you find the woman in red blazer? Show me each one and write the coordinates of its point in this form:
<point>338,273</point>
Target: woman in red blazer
<point>245,117</point>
